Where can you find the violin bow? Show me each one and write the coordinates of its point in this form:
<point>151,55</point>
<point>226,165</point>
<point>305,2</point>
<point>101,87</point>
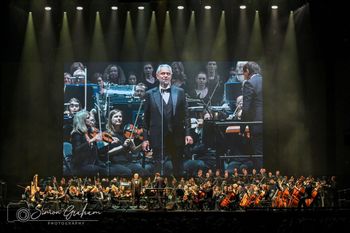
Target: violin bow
<point>137,116</point>
<point>99,117</point>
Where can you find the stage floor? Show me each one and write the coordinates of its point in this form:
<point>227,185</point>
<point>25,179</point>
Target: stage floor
<point>162,220</point>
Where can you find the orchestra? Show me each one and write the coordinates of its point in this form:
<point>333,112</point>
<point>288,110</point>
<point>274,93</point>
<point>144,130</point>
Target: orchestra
<point>239,193</point>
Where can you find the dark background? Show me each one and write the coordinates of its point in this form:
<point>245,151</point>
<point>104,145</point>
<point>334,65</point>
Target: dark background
<point>32,95</point>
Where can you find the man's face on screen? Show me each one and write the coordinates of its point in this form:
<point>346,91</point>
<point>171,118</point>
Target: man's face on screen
<point>164,76</point>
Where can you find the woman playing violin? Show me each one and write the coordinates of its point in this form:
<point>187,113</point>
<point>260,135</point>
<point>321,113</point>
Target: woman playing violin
<point>85,159</point>
<point>121,147</point>
<point>93,131</point>
<point>72,107</point>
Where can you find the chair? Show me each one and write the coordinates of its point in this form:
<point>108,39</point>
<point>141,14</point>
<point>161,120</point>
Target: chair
<point>67,157</point>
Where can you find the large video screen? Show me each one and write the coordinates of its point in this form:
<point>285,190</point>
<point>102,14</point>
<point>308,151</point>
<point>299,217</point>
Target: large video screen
<point>104,128</point>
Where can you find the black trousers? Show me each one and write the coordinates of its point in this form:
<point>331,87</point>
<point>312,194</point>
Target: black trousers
<point>173,152</point>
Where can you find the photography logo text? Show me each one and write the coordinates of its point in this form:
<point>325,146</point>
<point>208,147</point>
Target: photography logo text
<point>68,214</point>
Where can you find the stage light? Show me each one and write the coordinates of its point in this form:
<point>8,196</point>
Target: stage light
<point>47,8</point>
<point>98,50</point>
<point>114,8</point>
<point>255,46</point>
<point>242,7</point>
<point>141,7</point>
<point>79,8</point>
<point>207,7</point>
<point>274,7</point>
<point>180,7</point>
<point>219,47</point>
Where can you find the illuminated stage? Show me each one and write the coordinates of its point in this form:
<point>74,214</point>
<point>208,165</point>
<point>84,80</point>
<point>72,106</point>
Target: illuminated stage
<point>105,48</point>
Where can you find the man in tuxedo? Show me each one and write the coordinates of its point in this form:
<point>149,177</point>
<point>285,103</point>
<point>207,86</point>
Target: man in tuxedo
<point>136,187</point>
<point>252,109</point>
<point>166,122</point>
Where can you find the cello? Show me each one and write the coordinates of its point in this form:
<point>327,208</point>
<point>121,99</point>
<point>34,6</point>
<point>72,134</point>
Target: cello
<point>245,201</point>
<point>297,193</point>
<point>314,194</point>
<point>227,200</point>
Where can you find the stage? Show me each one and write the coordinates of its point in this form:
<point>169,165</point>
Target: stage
<point>264,220</point>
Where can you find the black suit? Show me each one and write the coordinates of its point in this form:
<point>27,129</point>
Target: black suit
<point>252,110</point>
<point>176,125</point>
<point>136,187</point>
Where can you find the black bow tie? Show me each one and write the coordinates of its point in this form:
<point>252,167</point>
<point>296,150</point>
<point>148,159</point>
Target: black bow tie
<point>165,90</point>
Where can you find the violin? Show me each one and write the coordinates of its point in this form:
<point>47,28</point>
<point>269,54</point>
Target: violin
<point>131,132</point>
<point>93,132</point>
<point>106,137</point>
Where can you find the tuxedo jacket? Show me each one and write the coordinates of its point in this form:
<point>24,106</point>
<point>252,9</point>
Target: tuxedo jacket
<point>179,120</point>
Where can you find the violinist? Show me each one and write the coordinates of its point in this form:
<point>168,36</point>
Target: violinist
<point>49,193</point>
<point>90,122</point>
<point>38,198</point>
<point>195,151</point>
<point>73,106</point>
<point>121,148</point>
<point>74,193</point>
<point>62,196</point>
<point>140,90</point>
<point>106,138</point>
<point>85,159</point>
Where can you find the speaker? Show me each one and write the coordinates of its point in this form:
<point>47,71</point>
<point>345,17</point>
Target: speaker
<point>78,90</point>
